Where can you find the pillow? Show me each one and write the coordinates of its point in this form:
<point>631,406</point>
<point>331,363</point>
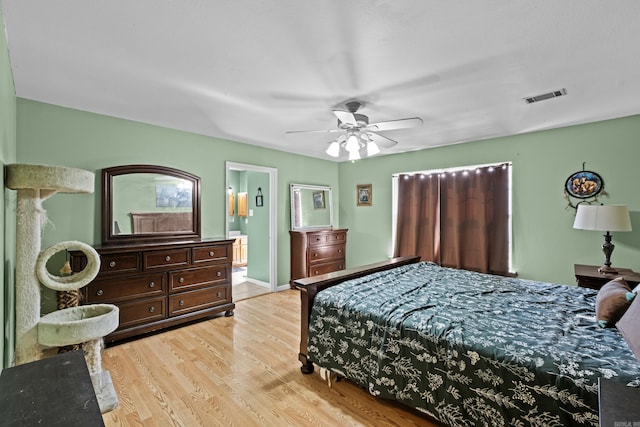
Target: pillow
<point>629,327</point>
<point>612,301</point>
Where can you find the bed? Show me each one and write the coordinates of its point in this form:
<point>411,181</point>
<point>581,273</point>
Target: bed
<point>466,348</point>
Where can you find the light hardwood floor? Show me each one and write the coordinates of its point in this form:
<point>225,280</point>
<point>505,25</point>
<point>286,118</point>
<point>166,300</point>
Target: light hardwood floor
<point>244,290</point>
<point>237,371</point>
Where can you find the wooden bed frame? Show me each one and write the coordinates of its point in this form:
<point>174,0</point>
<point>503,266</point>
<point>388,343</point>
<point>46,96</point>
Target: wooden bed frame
<point>310,286</point>
<point>161,222</point>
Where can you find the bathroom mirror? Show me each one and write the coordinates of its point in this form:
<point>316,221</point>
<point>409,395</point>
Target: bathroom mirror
<point>149,203</point>
<point>311,207</point>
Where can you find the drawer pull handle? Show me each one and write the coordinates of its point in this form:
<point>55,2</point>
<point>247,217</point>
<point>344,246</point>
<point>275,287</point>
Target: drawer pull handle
<point>181,303</point>
<point>181,280</point>
<point>167,258</point>
<point>315,254</point>
<point>339,251</point>
<point>99,292</point>
<point>152,309</point>
<point>152,284</point>
<point>218,294</point>
<point>112,264</point>
<point>219,273</point>
<point>316,272</point>
<point>211,253</point>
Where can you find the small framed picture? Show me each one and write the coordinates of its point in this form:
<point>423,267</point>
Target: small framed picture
<point>364,194</point>
<point>318,200</point>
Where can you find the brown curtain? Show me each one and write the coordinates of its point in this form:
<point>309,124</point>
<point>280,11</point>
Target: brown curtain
<point>417,227</point>
<point>466,221</point>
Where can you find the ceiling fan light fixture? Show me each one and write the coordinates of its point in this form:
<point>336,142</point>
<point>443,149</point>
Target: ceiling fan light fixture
<point>353,143</point>
<point>372,149</point>
<point>334,149</point>
<point>354,155</point>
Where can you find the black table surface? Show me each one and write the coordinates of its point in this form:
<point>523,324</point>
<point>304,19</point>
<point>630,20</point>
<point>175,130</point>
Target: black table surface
<point>619,404</point>
<point>55,391</point>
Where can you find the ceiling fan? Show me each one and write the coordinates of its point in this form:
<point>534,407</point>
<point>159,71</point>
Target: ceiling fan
<point>358,134</point>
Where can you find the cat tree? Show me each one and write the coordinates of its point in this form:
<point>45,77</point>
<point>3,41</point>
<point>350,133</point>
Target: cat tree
<point>85,324</point>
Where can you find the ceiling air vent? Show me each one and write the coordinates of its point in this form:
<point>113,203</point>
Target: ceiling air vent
<point>549,95</point>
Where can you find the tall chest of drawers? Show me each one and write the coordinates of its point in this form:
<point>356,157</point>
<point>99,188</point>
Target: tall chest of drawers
<point>317,252</point>
<point>159,285</point>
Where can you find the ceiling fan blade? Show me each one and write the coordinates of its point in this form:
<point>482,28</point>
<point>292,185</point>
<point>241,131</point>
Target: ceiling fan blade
<point>316,131</point>
<point>381,140</point>
<point>346,117</point>
<point>395,124</point>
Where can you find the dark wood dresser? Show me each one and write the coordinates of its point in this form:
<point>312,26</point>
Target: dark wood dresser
<point>158,285</point>
<point>316,252</point>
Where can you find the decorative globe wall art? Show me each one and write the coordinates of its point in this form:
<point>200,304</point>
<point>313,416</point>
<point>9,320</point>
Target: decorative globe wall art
<point>585,186</point>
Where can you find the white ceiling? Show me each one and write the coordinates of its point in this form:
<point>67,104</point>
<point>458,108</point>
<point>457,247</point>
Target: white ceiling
<point>250,70</point>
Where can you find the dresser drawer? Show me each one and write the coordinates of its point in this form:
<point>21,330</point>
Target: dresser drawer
<point>114,290</point>
<point>199,299</point>
<point>163,259</point>
<point>329,267</point>
<point>321,239</point>
<point>121,263</point>
<point>325,253</point>
<point>197,277</point>
<point>210,253</point>
<point>142,311</point>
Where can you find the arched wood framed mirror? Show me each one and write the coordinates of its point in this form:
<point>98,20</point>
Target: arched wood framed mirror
<point>143,203</point>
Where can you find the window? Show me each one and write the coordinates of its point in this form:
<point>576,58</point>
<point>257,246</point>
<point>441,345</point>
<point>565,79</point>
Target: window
<point>457,218</point>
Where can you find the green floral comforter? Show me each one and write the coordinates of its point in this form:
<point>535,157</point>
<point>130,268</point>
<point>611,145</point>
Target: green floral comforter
<point>471,349</point>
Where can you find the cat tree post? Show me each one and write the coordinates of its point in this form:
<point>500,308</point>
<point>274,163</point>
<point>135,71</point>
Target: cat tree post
<point>34,184</point>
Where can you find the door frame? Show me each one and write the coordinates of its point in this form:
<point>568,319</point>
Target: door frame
<point>273,213</point>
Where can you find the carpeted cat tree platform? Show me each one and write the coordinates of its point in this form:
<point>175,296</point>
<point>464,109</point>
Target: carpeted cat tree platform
<point>86,324</point>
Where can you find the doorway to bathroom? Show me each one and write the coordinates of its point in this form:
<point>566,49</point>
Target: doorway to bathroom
<point>251,222</point>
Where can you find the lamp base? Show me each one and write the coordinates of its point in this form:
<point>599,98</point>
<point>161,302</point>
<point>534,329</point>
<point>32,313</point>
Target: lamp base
<point>607,248</point>
<point>607,269</point>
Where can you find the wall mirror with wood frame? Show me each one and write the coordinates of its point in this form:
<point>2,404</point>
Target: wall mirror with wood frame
<point>148,203</point>
<point>311,207</point>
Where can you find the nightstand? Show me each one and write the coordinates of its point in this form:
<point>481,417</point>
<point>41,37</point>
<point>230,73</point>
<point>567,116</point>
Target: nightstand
<point>588,276</point>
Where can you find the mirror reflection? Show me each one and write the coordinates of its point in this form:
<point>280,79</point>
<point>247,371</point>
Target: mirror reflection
<point>146,202</point>
<point>151,203</point>
<point>311,207</point>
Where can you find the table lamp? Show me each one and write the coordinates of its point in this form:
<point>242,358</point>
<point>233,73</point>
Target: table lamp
<point>603,218</point>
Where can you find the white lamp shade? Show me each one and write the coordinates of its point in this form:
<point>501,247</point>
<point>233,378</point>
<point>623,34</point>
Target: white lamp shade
<point>372,148</point>
<point>352,143</point>
<point>602,218</point>
<point>334,149</point>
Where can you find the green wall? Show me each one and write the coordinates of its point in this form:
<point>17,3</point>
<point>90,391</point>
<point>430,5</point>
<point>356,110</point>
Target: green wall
<point>545,245</point>
<point>7,210</point>
<point>55,135</point>
<point>257,228</point>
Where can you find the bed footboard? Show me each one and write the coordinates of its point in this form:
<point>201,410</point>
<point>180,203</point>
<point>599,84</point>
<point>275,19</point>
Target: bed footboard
<point>310,286</point>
